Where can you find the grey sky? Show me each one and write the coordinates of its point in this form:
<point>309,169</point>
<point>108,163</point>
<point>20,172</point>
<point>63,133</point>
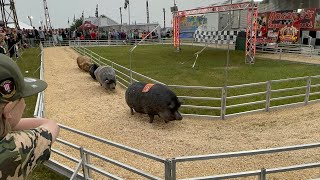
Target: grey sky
<point>60,10</point>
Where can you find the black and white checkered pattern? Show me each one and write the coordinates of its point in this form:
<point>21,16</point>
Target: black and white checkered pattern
<point>215,37</point>
<point>286,22</point>
<point>315,38</point>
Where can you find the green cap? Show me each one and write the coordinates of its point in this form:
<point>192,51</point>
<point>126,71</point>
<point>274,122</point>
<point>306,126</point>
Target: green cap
<point>13,85</point>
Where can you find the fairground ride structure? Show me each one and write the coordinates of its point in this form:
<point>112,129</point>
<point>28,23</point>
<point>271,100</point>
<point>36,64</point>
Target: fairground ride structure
<point>8,13</point>
<point>46,15</point>
<point>251,31</point>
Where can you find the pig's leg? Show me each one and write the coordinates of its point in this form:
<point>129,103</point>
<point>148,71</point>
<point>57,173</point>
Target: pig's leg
<point>151,118</point>
<point>132,113</point>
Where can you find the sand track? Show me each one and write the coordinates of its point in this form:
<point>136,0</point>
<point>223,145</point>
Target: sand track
<point>74,99</point>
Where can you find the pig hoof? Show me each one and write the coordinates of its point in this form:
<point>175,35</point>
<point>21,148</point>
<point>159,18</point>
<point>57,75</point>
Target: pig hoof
<point>151,118</point>
<point>132,113</point>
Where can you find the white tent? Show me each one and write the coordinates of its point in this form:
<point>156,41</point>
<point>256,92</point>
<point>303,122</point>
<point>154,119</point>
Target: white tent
<point>22,25</point>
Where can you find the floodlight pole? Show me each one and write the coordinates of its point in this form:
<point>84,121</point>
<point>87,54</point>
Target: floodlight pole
<point>164,18</point>
<point>30,19</point>
<point>120,15</point>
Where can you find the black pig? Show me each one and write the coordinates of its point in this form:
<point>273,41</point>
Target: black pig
<point>93,68</point>
<point>153,99</point>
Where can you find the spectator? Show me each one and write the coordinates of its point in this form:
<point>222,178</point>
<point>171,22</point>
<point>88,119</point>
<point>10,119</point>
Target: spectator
<point>12,40</point>
<point>93,35</point>
<point>41,34</point>
<point>24,142</point>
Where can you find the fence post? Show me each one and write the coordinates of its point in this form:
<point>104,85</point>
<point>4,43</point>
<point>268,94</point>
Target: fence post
<point>84,163</point>
<point>280,53</point>
<point>268,95</point>
<point>167,167</point>
<point>223,102</point>
<point>263,174</point>
<point>308,89</point>
<point>89,162</point>
<point>173,169</point>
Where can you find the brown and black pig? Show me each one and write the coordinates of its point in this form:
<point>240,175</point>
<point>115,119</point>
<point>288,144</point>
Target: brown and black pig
<point>84,62</point>
<point>92,68</point>
<point>106,76</point>
<point>153,99</point>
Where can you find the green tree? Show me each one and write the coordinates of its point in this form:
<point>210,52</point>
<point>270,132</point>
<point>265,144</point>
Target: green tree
<point>76,24</point>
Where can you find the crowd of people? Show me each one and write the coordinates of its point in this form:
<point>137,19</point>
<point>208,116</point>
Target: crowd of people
<point>12,39</point>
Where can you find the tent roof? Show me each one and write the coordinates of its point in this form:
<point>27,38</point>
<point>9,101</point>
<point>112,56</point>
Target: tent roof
<point>22,25</point>
<point>87,25</point>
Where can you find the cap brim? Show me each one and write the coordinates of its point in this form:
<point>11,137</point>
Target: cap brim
<point>33,86</point>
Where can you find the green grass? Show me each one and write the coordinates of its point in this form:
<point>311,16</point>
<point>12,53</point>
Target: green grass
<point>162,63</point>
<point>165,65</point>
<point>30,61</point>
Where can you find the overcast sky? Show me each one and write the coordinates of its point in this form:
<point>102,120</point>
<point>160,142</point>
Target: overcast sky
<point>61,10</point>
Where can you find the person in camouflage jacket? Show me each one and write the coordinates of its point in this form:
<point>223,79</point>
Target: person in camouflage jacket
<point>24,142</point>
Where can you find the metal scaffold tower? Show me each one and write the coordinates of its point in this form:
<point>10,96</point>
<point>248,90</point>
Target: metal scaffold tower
<point>8,13</point>
<point>251,31</point>
<point>46,15</point>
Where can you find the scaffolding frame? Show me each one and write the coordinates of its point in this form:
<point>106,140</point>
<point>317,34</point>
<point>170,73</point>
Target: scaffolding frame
<point>8,13</point>
<point>46,15</point>
<point>251,30</point>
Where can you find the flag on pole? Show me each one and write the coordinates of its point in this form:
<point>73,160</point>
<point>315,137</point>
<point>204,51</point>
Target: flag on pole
<point>126,3</point>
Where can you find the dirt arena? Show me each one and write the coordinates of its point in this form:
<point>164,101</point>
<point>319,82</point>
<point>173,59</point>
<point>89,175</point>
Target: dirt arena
<point>74,99</point>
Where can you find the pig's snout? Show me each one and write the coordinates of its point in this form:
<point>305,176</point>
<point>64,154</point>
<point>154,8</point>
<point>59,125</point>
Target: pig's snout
<point>178,116</point>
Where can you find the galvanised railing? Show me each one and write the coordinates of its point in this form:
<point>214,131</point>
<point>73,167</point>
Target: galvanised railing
<point>223,96</point>
<point>170,164</point>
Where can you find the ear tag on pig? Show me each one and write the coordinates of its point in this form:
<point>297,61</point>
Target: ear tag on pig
<point>147,87</point>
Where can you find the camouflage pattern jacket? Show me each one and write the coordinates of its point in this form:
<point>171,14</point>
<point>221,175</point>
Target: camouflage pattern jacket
<point>21,151</point>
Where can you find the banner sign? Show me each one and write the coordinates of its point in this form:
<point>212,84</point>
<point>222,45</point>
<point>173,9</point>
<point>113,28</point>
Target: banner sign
<point>285,25</point>
<point>188,25</point>
<point>307,19</point>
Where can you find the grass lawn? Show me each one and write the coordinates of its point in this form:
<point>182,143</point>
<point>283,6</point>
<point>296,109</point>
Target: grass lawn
<point>162,63</point>
<point>29,64</point>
